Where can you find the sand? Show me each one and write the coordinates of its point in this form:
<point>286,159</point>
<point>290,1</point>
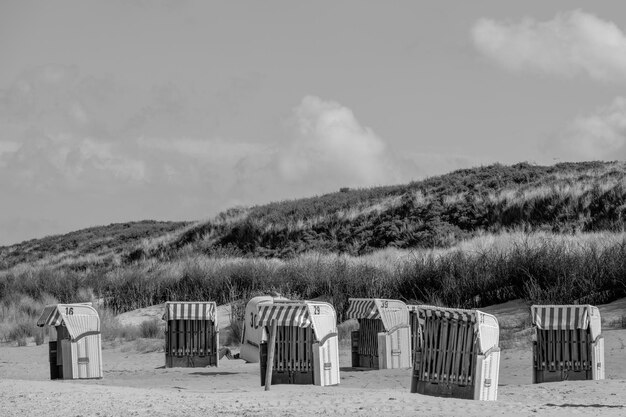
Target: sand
<point>138,384</point>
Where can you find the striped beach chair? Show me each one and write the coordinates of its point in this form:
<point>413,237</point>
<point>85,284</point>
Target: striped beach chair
<point>306,350</point>
<point>569,344</point>
<point>191,334</point>
<point>77,351</point>
<point>383,338</point>
<point>455,353</point>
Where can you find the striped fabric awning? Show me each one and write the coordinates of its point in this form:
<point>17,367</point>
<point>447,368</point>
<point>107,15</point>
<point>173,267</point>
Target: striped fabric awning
<point>184,310</point>
<point>286,314</point>
<point>567,317</point>
<point>458,314</point>
<point>362,308</point>
<point>393,313</point>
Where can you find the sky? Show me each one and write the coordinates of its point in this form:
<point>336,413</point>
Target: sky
<point>115,111</point>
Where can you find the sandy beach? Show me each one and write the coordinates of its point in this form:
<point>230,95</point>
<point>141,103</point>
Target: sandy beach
<point>138,384</point>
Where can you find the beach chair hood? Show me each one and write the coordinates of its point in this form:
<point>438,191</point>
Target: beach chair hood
<point>318,315</point>
<point>567,317</point>
<point>79,319</point>
<point>485,325</point>
<point>393,313</point>
<point>184,310</point>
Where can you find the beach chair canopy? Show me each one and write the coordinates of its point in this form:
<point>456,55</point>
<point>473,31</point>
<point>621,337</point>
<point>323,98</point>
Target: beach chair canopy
<point>79,319</point>
<point>567,317</point>
<point>316,314</point>
<point>424,311</point>
<point>189,310</point>
<point>393,313</point>
<point>485,325</point>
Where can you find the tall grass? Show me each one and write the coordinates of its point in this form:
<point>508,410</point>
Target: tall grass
<point>537,267</point>
<point>18,316</point>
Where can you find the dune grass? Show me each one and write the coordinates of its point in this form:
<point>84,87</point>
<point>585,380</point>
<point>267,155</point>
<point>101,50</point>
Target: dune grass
<point>489,269</point>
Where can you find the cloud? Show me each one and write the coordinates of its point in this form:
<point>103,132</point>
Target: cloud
<point>77,151</point>
<point>571,44</point>
<point>598,136</point>
<point>54,162</point>
<point>8,147</point>
<point>330,148</point>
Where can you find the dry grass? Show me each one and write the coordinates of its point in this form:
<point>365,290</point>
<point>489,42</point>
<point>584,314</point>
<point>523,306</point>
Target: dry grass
<point>18,317</point>
<point>488,269</point>
<point>143,345</point>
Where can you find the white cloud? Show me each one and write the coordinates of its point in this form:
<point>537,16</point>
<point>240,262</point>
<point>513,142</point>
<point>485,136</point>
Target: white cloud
<point>601,135</point>
<point>214,150</point>
<point>79,151</point>
<point>330,148</point>
<point>8,147</point>
<point>572,43</point>
<point>67,162</point>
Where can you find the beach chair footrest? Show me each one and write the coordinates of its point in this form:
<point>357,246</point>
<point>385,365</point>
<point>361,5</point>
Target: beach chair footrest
<point>443,389</point>
<point>562,375</point>
<point>365,361</point>
<point>190,361</point>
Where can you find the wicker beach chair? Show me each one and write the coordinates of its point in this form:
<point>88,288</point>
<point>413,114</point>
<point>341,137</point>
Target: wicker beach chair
<point>306,350</point>
<point>77,351</point>
<point>455,352</point>
<point>191,334</point>
<point>383,338</point>
<point>568,343</point>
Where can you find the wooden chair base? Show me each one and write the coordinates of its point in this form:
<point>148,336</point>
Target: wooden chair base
<point>365,361</point>
<point>442,389</point>
<point>561,375</point>
<point>190,361</point>
<point>288,377</point>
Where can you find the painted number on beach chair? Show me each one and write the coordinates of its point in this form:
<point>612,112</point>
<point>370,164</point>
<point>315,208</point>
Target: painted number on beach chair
<point>253,324</point>
<point>69,311</point>
<point>385,304</point>
<point>316,309</point>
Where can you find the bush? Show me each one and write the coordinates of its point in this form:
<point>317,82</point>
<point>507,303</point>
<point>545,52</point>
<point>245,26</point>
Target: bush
<point>20,331</point>
<point>150,329</point>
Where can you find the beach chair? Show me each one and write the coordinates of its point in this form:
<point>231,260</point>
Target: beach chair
<point>568,344</point>
<point>77,351</point>
<point>383,338</point>
<point>306,350</point>
<point>456,353</point>
<point>191,334</point>
<point>252,332</point>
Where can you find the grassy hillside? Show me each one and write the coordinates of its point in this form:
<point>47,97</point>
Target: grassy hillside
<point>95,245</point>
<point>437,212</point>
<point>469,238</point>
